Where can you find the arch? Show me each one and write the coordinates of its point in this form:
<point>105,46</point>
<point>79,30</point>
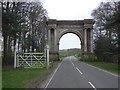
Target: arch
<point>81,28</point>
<point>70,31</point>
<point>74,32</point>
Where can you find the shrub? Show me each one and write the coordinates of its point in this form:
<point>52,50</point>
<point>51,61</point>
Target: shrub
<point>89,57</point>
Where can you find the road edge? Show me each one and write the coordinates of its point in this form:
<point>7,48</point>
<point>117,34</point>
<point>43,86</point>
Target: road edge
<point>47,77</point>
<point>102,69</point>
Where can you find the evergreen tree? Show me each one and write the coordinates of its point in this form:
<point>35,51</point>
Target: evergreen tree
<point>106,43</point>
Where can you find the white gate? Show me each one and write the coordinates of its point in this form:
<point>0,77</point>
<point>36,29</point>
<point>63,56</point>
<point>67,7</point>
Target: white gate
<point>32,60</point>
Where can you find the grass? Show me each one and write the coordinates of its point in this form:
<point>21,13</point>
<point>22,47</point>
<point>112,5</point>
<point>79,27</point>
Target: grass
<point>62,56</point>
<point>77,57</point>
<point>106,66</point>
<point>1,54</point>
<point>0,78</point>
<point>23,77</point>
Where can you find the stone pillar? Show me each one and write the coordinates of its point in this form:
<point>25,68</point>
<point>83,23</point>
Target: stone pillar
<point>56,49</point>
<point>91,39</point>
<point>58,46</point>
<point>82,46</point>
<point>49,39</point>
<point>55,40</point>
<point>85,40</point>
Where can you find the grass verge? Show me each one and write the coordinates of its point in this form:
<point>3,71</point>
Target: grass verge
<point>23,77</point>
<point>62,56</point>
<point>106,66</point>
<point>77,57</point>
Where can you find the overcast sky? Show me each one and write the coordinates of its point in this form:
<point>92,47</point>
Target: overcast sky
<point>70,10</point>
<point>70,41</point>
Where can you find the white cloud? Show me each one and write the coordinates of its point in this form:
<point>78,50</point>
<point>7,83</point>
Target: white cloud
<point>70,9</point>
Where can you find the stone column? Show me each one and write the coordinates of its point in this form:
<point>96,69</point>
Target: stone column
<point>49,39</point>
<point>55,40</point>
<point>82,46</point>
<point>91,39</point>
<point>85,40</point>
<point>58,46</point>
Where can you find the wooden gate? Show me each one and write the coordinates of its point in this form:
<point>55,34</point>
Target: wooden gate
<point>32,60</point>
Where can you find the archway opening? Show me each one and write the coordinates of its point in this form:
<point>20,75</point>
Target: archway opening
<point>69,45</point>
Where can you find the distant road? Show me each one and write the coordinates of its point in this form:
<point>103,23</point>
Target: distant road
<point>72,73</point>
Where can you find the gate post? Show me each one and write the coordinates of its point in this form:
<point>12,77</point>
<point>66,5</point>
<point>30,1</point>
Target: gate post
<point>15,58</point>
<point>47,47</point>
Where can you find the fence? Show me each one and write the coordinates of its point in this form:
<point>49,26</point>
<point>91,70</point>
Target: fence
<point>32,60</point>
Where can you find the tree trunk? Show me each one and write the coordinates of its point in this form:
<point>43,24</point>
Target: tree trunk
<point>8,44</point>
<point>14,45</point>
<point>19,39</point>
<point>5,50</point>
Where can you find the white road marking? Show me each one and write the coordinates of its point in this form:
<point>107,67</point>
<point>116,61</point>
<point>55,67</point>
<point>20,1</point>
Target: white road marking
<point>83,76</point>
<point>101,69</point>
<point>92,85</point>
<point>79,71</point>
<point>53,75</point>
<point>73,64</point>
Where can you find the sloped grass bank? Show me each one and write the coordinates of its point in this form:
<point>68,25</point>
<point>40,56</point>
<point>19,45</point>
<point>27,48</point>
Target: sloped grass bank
<point>23,77</point>
<point>106,66</point>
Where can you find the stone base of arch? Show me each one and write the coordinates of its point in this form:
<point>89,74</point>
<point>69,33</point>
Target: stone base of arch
<point>54,57</point>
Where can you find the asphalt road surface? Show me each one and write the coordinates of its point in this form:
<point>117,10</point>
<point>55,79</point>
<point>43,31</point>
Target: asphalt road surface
<point>72,73</point>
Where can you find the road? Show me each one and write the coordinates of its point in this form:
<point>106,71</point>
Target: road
<point>72,73</point>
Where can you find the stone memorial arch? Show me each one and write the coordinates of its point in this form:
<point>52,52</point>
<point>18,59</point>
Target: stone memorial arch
<point>82,28</point>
